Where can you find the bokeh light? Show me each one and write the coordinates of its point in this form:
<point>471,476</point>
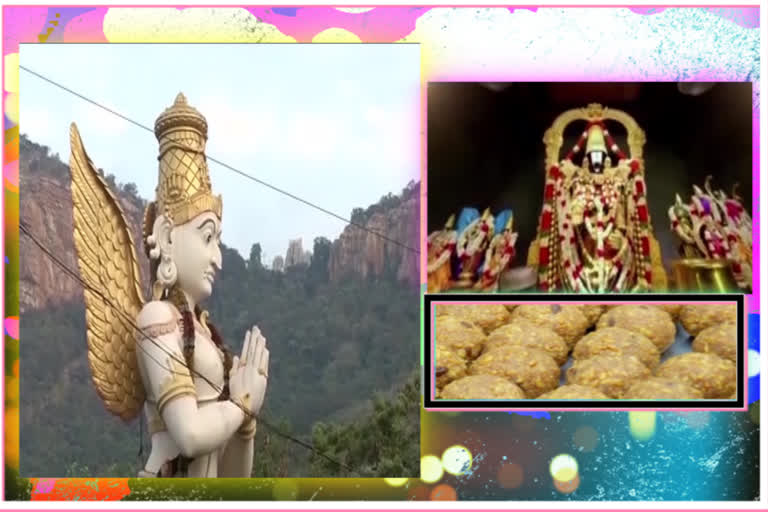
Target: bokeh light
<point>11,69</point>
<point>564,468</point>
<point>753,362</point>
<point>431,469</point>
<point>443,492</point>
<point>336,35</point>
<point>586,438</point>
<point>396,482</point>
<point>510,475</point>
<point>567,487</point>
<point>418,493</point>
<point>12,437</point>
<point>642,424</point>
<point>457,460</point>
<point>12,108</point>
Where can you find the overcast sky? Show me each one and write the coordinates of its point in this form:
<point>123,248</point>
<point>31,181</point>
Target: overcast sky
<point>336,124</point>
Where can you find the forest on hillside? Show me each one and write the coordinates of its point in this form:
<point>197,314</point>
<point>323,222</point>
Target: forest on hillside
<point>342,357</point>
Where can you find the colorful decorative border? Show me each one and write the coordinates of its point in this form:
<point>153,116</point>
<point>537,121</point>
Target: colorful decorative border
<point>465,44</point>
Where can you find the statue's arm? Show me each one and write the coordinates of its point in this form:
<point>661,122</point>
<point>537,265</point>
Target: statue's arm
<point>237,460</point>
<point>169,384</point>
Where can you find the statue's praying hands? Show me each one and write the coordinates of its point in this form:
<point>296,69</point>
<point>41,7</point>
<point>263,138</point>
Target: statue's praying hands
<point>248,377</point>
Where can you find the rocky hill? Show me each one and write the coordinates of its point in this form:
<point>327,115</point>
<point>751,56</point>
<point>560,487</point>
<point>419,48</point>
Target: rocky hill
<point>46,207</point>
<point>363,252</point>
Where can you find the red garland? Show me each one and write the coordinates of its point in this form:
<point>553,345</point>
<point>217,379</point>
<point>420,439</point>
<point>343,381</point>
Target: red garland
<point>546,220</point>
<point>544,256</point>
<point>642,213</point>
<point>646,246</point>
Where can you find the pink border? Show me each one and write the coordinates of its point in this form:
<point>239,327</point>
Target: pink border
<point>373,6</point>
<point>582,409</point>
<point>753,304</point>
<point>5,250</point>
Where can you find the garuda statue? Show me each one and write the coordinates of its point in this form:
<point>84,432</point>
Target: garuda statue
<point>164,354</point>
<point>595,232</point>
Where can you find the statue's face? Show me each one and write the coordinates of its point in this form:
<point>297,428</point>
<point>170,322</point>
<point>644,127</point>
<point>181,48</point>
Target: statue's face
<point>596,160</point>
<point>195,250</point>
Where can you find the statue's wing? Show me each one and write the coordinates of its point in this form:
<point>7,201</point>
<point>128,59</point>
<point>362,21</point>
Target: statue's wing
<point>108,265</point>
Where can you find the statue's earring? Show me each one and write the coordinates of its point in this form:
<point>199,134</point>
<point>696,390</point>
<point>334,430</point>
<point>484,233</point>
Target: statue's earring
<point>161,248</point>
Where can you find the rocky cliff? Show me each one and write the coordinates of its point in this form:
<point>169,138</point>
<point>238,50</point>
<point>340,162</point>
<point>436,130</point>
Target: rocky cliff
<point>46,208</point>
<point>388,244</point>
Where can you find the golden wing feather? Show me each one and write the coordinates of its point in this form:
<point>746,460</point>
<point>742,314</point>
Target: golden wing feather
<point>107,262</point>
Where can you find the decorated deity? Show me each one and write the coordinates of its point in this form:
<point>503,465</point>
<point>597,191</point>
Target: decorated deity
<point>595,232</point>
<point>715,228</point>
<point>164,355</point>
<point>440,248</point>
<point>475,234</point>
<point>500,253</point>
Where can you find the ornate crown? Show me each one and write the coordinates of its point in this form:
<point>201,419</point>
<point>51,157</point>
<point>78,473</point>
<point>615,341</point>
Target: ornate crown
<point>596,140</point>
<point>184,186</point>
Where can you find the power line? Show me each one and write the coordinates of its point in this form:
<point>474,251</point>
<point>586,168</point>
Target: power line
<point>25,230</point>
<point>227,166</point>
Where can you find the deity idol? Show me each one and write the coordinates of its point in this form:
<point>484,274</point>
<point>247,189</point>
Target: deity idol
<point>440,248</point>
<point>475,234</point>
<point>595,232</point>
<point>500,253</point>
<point>715,231</point>
<point>165,355</point>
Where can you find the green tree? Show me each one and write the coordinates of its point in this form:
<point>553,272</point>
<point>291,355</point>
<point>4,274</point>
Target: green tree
<point>318,267</point>
<point>358,217</point>
<point>385,443</point>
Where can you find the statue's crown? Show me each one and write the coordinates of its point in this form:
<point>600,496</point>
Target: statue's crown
<point>184,185</point>
<point>595,139</point>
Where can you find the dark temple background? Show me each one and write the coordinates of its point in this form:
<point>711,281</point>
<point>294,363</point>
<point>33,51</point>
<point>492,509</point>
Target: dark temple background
<point>485,145</point>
